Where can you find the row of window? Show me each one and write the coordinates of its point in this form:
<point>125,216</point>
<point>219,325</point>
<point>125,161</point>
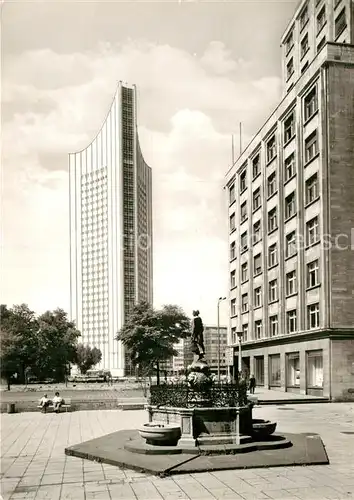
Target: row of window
<point>313,367</point>
<point>311,150</point>
<point>340,24</point>
<point>312,280</point>
<point>311,194</point>
<point>313,321</point>
<point>293,240</point>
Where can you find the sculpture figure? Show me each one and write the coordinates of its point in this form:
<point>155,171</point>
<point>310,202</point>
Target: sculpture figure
<point>197,338</point>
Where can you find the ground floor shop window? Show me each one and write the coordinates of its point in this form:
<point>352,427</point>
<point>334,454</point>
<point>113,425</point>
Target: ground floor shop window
<point>315,369</point>
<point>293,369</point>
<point>274,370</point>
<point>259,369</point>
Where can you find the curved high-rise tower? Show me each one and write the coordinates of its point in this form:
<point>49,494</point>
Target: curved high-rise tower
<point>110,231</point>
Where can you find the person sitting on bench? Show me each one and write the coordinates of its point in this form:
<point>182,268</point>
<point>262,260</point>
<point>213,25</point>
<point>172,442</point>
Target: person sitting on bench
<point>44,403</point>
<point>57,402</point>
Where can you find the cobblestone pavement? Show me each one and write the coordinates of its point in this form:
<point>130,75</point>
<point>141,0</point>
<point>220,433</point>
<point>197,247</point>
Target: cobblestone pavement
<point>34,464</point>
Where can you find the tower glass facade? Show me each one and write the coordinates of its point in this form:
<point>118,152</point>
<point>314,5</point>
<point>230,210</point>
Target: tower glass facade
<point>110,231</point>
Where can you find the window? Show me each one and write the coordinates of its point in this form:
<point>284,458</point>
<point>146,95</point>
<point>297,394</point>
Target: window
<point>290,205</point>
<point>233,279</point>
<point>312,274</point>
<point>292,361</point>
<point>313,316</point>
<point>233,307</point>
<point>321,19</point>
<point>321,44</point>
<point>259,369</point>
<point>314,368</point>
<point>291,325</point>
<point>258,329</point>
<point>272,220</point>
<point>232,193</point>
<point>258,296</point>
<point>257,231</point>
<point>257,264</point>
<point>289,127</point>
<point>244,332</point>
<point>273,326</point>
<point>310,104</point>
<point>273,290</point>
<point>272,255</point>
<point>271,149</point>
<point>291,283</point>
<point>257,199</point>
<point>256,166</point>
<point>290,69</point>
<point>243,211</point>
<point>289,42</point>
<point>311,146</point>
<point>244,302</point>
<point>304,45</point>
<point>290,244</point>
<point>244,242</point>
<point>243,180</point>
<point>312,231</point>
<point>232,222</point>
<point>340,23</point>
<point>289,167</point>
<point>304,68</point>
<point>304,17</point>
<point>233,250</point>
<point>274,369</point>
<point>311,188</point>
<point>271,184</point>
<point>244,272</point>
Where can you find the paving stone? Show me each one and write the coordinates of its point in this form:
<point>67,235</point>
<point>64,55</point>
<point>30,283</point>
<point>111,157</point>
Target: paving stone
<point>44,446</point>
<point>121,491</point>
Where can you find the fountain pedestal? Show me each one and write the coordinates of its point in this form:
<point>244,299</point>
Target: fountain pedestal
<point>204,426</point>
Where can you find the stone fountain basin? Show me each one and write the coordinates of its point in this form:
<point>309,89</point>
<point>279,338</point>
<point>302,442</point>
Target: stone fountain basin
<point>160,433</point>
<point>263,428</point>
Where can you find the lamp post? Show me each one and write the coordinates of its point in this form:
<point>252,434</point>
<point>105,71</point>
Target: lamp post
<point>239,334</point>
<point>218,332</point>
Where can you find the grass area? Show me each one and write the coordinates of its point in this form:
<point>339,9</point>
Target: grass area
<point>98,391</point>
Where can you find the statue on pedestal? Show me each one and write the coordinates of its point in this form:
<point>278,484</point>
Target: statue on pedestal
<point>197,338</point>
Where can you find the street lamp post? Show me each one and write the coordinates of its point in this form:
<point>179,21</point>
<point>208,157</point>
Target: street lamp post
<point>218,332</point>
<point>239,334</point>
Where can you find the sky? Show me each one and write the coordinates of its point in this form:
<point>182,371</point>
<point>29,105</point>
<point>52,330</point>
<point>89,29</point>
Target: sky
<point>200,68</point>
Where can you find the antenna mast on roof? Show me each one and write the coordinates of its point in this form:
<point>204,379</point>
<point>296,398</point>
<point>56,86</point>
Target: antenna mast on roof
<point>232,149</point>
<point>240,138</point>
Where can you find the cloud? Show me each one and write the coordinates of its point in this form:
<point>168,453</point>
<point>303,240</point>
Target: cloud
<point>187,109</point>
<point>218,59</point>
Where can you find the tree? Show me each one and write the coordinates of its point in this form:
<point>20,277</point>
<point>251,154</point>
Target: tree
<point>57,343</point>
<point>19,344</point>
<point>87,357</point>
<point>9,357</point>
<point>41,345</point>
<point>149,334</point>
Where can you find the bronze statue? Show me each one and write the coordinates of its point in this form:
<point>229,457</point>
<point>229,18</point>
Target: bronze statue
<point>197,339</point>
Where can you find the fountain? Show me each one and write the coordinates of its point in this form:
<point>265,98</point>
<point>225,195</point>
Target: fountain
<point>201,425</point>
<point>199,414</point>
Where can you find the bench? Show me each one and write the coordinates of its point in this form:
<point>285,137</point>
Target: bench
<point>65,405</point>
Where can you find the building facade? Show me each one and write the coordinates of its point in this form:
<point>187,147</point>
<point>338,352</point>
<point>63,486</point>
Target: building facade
<point>291,214</point>
<point>110,231</point>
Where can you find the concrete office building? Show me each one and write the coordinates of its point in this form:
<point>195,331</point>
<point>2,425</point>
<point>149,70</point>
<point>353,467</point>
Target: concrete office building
<point>110,231</point>
<point>291,217</point>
